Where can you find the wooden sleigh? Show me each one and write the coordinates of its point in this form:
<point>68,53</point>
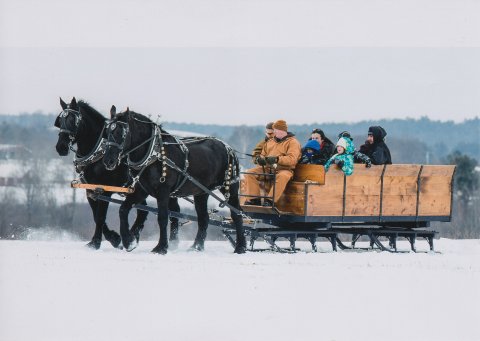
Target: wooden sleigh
<point>391,201</point>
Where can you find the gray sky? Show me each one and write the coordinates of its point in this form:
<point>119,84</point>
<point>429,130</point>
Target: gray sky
<point>250,61</point>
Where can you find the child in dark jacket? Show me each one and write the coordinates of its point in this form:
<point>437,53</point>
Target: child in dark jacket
<point>311,153</point>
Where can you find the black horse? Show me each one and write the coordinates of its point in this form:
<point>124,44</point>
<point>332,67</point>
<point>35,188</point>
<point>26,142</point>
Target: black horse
<point>164,166</point>
<point>82,125</point>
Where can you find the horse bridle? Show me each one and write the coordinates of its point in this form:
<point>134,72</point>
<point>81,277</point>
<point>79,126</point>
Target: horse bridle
<point>110,127</point>
<point>63,124</point>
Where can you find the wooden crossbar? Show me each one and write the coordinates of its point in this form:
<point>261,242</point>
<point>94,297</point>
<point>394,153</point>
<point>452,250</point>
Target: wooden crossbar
<point>104,188</point>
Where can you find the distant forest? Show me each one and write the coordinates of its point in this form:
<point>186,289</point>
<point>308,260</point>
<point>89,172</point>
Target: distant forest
<point>411,140</point>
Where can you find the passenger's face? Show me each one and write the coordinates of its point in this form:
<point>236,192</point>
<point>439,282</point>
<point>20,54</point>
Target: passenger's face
<point>269,133</point>
<point>370,138</point>
<point>279,134</point>
<point>340,150</point>
<point>317,137</point>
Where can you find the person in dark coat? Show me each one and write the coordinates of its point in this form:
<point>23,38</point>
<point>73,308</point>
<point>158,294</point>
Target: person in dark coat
<point>375,147</point>
<point>327,147</point>
<point>357,156</point>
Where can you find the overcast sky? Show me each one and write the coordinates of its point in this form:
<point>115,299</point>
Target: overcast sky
<point>250,61</point>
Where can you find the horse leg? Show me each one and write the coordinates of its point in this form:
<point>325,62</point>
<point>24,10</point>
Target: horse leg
<point>174,207</point>
<point>241,243</point>
<point>128,239</point>
<point>97,235</point>
<point>138,225</point>
<point>202,217</point>
<point>101,213</point>
<point>162,246</point>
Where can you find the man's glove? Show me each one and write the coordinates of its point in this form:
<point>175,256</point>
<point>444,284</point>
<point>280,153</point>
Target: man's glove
<point>368,163</point>
<point>271,159</point>
<point>339,163</point>
<point>260,160</point>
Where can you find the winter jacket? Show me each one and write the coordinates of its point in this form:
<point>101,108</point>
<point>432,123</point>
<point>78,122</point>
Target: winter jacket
<point>258,149</point>
<point>359,157</point>
<point>346,158</point>
<point>378,151</point>
<point>311,158</point>
<point>326,151</point>
<point>287,149</point>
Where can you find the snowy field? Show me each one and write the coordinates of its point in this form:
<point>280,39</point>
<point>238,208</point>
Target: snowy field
<point>60,290</point>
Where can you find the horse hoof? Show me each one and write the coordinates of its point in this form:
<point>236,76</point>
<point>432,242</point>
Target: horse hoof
<point>197,247</point>
<point>240,249</point>
<point>135,230</point>
<point>132,245</point>
<point>160,250</point>
<point>116,241</point>
<point>94,244</point>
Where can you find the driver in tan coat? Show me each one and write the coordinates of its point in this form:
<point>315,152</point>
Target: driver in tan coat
<point>279,155</point>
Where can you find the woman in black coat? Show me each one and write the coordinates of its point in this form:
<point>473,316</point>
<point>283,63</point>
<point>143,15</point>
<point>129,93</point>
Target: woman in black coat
<point>375,147</point>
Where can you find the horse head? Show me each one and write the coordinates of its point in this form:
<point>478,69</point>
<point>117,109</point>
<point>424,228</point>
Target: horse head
<point>118,137</point>
<point>68,121</point>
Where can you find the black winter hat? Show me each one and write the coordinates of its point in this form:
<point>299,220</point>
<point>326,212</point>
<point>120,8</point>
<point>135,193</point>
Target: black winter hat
<point>345,134</point>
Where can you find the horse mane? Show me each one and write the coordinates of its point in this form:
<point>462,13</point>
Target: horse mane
<point>92,112</point>
<point>144,118</point>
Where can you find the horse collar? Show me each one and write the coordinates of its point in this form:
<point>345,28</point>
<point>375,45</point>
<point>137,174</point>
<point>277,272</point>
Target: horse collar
<point>154,153</point>
<point>96,154</point>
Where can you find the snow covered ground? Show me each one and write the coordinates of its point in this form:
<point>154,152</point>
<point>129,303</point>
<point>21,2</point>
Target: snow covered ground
<point>60,290</point>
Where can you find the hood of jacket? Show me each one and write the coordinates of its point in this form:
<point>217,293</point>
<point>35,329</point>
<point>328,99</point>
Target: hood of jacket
<point>378,133</point>
<point>313,144</point>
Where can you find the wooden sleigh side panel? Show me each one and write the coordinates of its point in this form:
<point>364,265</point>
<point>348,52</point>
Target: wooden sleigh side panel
<point>385,192</point>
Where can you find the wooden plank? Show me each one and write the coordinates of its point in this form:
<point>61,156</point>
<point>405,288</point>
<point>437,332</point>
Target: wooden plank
<point>363,191</point>
<point>314,173</point>
<point>293,198</point>
<point>438,170</point>
<point>326,200</point>
<point>435,197</point>
<point>258,209</point>
<point>400,190</point>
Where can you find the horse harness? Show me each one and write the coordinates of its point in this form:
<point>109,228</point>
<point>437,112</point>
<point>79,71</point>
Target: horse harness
<point>156,152</point>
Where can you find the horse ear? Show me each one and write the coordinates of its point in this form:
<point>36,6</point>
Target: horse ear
<point>73,103</point>
<point>113,112</point>
<point>127,114</point>
<point>63,104</point>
